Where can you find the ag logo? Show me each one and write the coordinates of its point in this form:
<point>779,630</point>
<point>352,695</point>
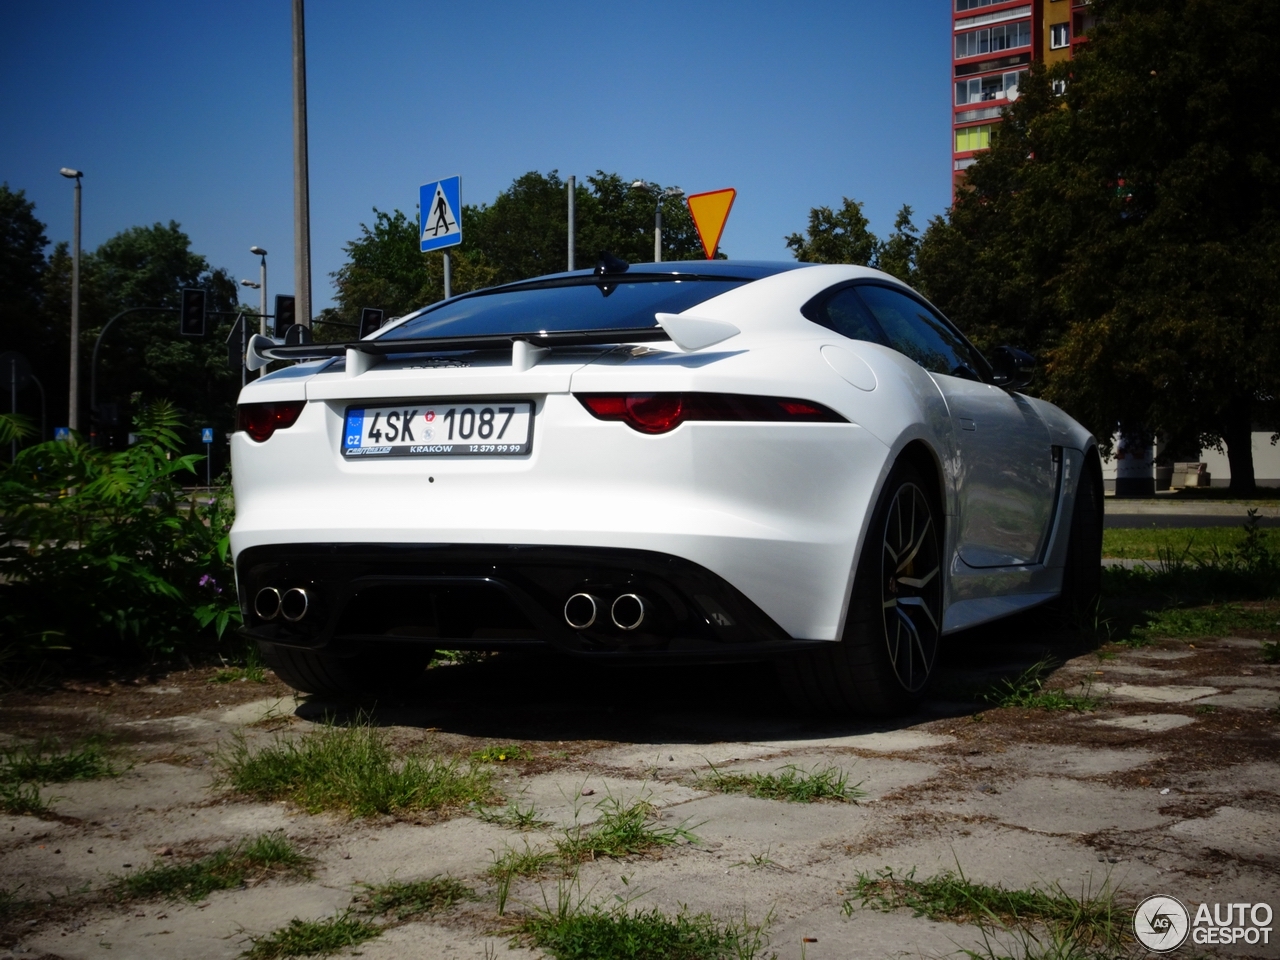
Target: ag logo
<point>1161,923</point>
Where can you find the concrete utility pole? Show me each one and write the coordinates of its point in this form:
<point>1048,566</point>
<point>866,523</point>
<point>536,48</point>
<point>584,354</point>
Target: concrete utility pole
<point>301,189</point>
<point>263,298</point>
<point>572,190</point>
<point>73,400</point>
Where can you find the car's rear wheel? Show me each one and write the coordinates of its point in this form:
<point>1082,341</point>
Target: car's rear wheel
<point>1082,577</point>
<point>885,660</point>
<point>390,669</point>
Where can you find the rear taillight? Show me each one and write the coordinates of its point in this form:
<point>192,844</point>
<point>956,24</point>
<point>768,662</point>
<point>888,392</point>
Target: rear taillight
<point>661,412</point>
<point>261,420</point>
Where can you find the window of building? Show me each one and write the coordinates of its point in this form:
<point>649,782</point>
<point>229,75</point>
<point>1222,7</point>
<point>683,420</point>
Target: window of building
<point>963,5</point>
<point>1059,87</point>
<point>982,113</point>
<point>994,39</point>
<point>973,138</point>
<point>979,89</point>
<point>1059,36</point>
<point>966,163</point>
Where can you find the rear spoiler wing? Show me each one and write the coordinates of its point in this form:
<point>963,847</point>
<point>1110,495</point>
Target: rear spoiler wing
<point>688,333</point>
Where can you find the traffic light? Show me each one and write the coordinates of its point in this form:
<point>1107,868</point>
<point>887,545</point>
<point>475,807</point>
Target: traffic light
<point>370,320</point>
<point>285,314</point>
<point>191,318</point>
<point>236,340</point>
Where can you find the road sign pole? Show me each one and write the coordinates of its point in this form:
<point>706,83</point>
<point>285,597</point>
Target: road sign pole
<point>13,402</point>
<point>440,222</point>
<point>572,190</point>
<point>448,277</point>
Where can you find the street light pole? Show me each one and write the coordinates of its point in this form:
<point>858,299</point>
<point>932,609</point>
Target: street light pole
<point>263,309</point>
<point>301,177</point>
<point>657,214</point>
<point>73,399</point>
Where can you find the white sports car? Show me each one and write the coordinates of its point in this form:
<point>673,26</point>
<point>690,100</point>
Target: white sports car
<point>695,460</point>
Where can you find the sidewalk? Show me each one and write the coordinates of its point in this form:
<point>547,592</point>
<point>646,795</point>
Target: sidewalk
<point>1127,507</point>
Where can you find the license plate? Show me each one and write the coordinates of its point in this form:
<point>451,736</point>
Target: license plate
<point>458,428</point>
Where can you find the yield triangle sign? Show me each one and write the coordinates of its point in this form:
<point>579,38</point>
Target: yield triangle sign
<point>710,211</point>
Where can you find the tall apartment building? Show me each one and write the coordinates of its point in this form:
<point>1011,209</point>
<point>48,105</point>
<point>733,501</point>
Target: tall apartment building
<point>995,43</point>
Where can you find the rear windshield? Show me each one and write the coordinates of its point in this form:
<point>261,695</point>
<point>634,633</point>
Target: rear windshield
<point>575,306</point>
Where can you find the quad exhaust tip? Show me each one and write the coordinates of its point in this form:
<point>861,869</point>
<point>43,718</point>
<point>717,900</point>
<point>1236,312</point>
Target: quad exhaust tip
<point>294,604</point>
<point>629,610</point>
<point>581,610</point>
<point>267,603</point>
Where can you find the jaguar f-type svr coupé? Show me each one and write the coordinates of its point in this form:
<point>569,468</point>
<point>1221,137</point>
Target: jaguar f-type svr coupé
<point>700,460</point>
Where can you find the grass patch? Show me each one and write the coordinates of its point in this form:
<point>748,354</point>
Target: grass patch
<point>23,769</point>
<point>310,938</point>
<point>512,751</point>
<point>622,830</point>
<point>445,658</point>
<point>512,815</point>
<point>354,770</point>
<point>1215,620</point>
<point>403,900</point>
<point>1089,919</point>
<point>790,783</point>
<point>1151,543</point>
<point>572,930</point>
<point>44,763</point>
<point>1028,692</point>
<point>252,669</point>
<point>271,854</point>
<point>1271,652</point>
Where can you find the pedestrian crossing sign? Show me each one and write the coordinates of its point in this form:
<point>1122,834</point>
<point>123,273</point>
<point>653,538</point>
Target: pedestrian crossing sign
<point>440,214</point>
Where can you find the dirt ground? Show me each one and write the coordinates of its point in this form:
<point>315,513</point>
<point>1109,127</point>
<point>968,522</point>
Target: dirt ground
<point>1171,786</point>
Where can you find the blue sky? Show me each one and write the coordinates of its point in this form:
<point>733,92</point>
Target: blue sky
<point>181,110</point>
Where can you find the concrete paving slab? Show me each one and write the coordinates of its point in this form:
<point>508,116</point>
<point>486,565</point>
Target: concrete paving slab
<point>1233,829</point>
<point>1147,722</point>
<point>1244,699</point>
<point>216,930</point>
<point>1167,693</point>
<point>258,710</point>
<point>1061,806</point>
<point>428,941</point>
<point>569,797</point>
<point>1064,760</point>
<point>367,853</point>
<point>883,741</point>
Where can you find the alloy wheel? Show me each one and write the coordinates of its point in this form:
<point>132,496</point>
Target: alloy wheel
<point>911,587</point>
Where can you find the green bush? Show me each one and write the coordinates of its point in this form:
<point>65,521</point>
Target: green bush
<point>102,551</point>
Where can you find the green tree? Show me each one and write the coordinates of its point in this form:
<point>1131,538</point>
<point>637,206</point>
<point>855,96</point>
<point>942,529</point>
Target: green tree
<point>1128,229</point>
<point>836,236</point>
<point>897,254</point>
<point>23,269</point>
<point>143,358</point>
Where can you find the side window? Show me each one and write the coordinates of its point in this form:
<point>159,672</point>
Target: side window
<point>845,313</point>
<point>913,330</point>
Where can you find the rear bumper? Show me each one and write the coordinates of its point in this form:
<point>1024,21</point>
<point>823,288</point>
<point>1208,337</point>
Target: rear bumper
<point>499,597</point>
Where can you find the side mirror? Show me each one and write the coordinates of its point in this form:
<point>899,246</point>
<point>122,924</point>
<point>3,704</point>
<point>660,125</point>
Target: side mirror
<point>1013,368</point>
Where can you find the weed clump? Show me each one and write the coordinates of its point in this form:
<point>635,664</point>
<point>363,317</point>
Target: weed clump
<point>501,754</point>
<point>574,930</point>
<point>622,830</point>
<point>790,783</point>
<point>23,769</point>
<point>353,770</point>
<point>1027,691</point>
<point>271,854</point>
<point>1089,919</point>
<point>403,900</point>
<point>309,938</point>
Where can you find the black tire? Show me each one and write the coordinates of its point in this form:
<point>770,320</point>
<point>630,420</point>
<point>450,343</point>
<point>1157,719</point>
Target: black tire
<point>1082,576</point>
<point>379,670</point>
<point>886,658</point>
